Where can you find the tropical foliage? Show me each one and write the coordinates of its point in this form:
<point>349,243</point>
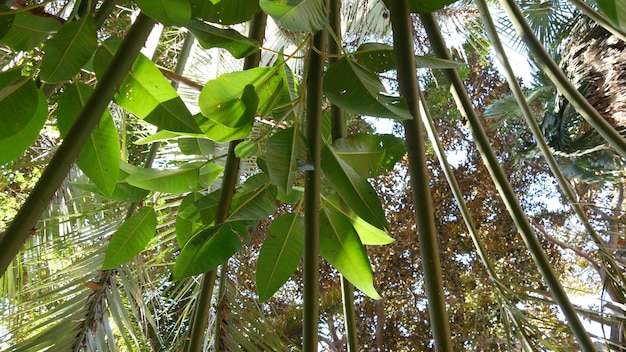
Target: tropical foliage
<point>211,192</point>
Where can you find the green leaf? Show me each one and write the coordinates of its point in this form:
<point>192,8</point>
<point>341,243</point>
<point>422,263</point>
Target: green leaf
<point>284,150</point>
<point>341,247</point>
<point>18,104</point>
<point>179,180</point>
<point>196,146</point>
<point>368,154</point>
<point>168,12</point>
<point>353,188</point>
<point>246,149</point>
<point>280,254</point>
<point>185,228</point>
<point>69,50</point>
<point>615,10</point>
<point>254,200</point>
<point>6,20</point>
<point>228,99</point>
<point>13,146</point>
<point>173,115</point>
<point>202,210</point>
<point>211,37</point>
<point>356,89</point>
<point>369,235</point>
<point>220,133</point>
<point>208,249</point>
<point>208,174</point>
<point>378,57</point>
<point>131,238</point>
<point>100,156</point>
<point>297,15</point>
<point>29,31</point>
<point>146,92</point>
<point>224,12</point>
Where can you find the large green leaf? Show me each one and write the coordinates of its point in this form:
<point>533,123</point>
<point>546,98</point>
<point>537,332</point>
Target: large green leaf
<point>368,154</point>
<point>146,92</point>
<point>254,200</point>
<point>208,174</point>
<point>369,234</point>
<point>614,10</point>
<point>6,20</point>
<point>131,238</point>
<point>280,254</point>
<point>224,12</point>
<point>123,192</point>
<point>341,247</point>
<point>378,57</point>
<point>168,12</point>
<point>209,248</point>
<point>212,37</point>
<point>297,15</point>
<point>228,98</point>
<point>69,50</point>
<point>185,228</point>
<point>220,133</point>
<point>13,146</point>
<point>18,103</point>
<point>29,31</point>
<point>202,210</point>
<point>179,180</point>
<point>358,90</point>
<point>284,150</point>
<point>353,188</point>
<point>100,156</point>
<point>196,146</point>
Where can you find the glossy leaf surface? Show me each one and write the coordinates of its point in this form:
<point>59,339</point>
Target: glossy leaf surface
<point>100,156</point>
<point>29,31</point>
<point>131,238</point>
<point>254,200</point>
<point>13,146</point>
<point>212,37</point>
<point>168,12</point>
<point>353,188</point>
<point>341,247</point>
<point>179,180</point>
<point>69,50</point>
<point>209,248</point>
<point>284,149</point>
<point>297,15</point>
<point>368,154</point>
<point>18,103</point>
<point>358,90</point>
<point>280,254</point>
<point>224,12</point>
<point>369,234</point>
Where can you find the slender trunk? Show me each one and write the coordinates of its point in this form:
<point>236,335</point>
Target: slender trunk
<point>312,188</point>
<point>427,232</point>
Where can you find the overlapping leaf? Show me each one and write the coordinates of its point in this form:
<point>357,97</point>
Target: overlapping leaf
<point>614,10</point>
<point>353,188</point>
<point>224,12</point>
<point>99,157</point>
<point>6,20</point>
<point>358,90</point>
<point>297,15</point>
<point>369,234</point>
<point>254,200</point>
<point>18,103</point>
<point>283,151</point>
<point>69,50</point>
<point>209,248</point>
<point>368,154</point>
<point>341,247</point>
<point>280,254</point>
<point>212,37</point>
<point>178,180</point>
<point>28,31</point>
<point>168,12</point>
<point>378,57</point>
<point>131,238</point>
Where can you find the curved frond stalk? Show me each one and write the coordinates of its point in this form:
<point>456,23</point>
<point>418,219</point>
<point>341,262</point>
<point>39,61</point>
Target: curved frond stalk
<point>415,145</point>
<point>616,277</point>
<point>505,189</point>
<point>312,190</point>
<point>598,18</point>
<point>230,180</point>
<point>53,176</point>
<point>571,93</point>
